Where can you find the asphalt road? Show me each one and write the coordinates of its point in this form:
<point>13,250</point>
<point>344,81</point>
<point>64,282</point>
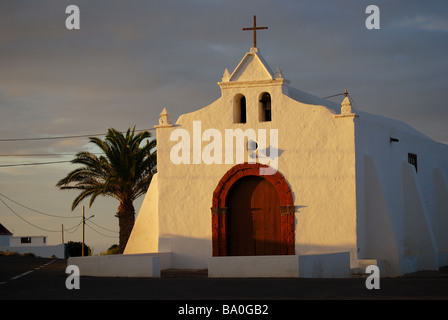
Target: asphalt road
<point>44,279</point>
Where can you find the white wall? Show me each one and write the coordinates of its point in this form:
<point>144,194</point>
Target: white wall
<point>377,236</point>
<point>4,240</point>
<point>398,207</point>
<point>316,156</point>
<point>144,237</point>
<point>131,265</point>
<point>35,241</point>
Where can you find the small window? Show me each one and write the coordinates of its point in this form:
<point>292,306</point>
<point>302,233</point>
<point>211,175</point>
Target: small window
<point>25,240</point>
<point>239,109</point>
<point>412,159</point>
<point>265,107</point>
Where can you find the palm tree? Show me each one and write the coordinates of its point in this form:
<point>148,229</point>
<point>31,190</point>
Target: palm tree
<point>124,172</point>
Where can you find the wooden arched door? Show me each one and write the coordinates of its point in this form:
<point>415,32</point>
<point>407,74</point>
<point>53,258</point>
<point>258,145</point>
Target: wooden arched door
<point>253,220</point>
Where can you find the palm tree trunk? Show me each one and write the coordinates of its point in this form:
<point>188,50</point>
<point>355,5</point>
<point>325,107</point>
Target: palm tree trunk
<point>126,219</point>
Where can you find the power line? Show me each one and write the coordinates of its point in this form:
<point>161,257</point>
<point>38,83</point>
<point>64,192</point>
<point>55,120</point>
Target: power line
<point>34,210</point>
<point>33,163</point>
<point>49,154</point>
<point>104,235</point>
<point>335,95</point>
<point>103,227</point>
<point>41,154</point>
<point>51,138</point>
<point>340,94</point>
<point>69,230</point>
<point>77,226</point>
<point>47,230</point>
<point>65,137</point>
<point>352,101</point>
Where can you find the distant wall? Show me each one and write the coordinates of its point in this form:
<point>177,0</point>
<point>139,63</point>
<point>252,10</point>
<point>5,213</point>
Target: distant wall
<point>4,240</point>
<point>28,241</point>
<point>129,265</point>
<point>43,251</point>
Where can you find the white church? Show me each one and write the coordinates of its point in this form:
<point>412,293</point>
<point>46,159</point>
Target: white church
<point>271,181</point>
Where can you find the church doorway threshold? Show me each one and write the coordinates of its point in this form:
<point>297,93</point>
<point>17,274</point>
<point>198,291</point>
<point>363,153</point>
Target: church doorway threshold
<point>278,266</point>
<point>320,265</point>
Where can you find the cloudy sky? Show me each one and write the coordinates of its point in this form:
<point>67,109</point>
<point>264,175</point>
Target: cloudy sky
<point>130,59</point>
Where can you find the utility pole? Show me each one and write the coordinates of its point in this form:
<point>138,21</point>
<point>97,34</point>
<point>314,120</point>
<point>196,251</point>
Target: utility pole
<point>83,229</point>
<point>62,232</point>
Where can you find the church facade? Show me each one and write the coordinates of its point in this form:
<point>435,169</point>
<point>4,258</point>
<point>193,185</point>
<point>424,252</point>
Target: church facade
<point>269,170</point>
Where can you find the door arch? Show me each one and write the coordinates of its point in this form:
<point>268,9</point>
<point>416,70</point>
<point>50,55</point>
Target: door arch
<point>221,201</point>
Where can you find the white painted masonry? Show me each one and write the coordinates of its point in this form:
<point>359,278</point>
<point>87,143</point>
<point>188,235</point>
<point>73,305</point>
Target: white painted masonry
<point>353,188</point>
<point>28,241</point>
<point>134,265</point>
<point>36,245</point>
<point>332,265</point>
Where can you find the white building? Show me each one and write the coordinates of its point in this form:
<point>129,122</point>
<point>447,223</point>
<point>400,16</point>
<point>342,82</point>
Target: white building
<point>28,241</point>
<point>340,181</point>
<point>29,244</point>
<point>5,236</point>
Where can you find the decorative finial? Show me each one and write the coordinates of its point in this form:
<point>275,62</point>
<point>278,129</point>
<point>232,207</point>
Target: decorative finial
<point>226,76</point>
<point>165,119</point>
<point>278,74</point>
<point>346,105</point>
<point>346,108</point>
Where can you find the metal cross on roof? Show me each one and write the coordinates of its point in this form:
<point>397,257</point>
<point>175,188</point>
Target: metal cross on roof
<point>255,28</point>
